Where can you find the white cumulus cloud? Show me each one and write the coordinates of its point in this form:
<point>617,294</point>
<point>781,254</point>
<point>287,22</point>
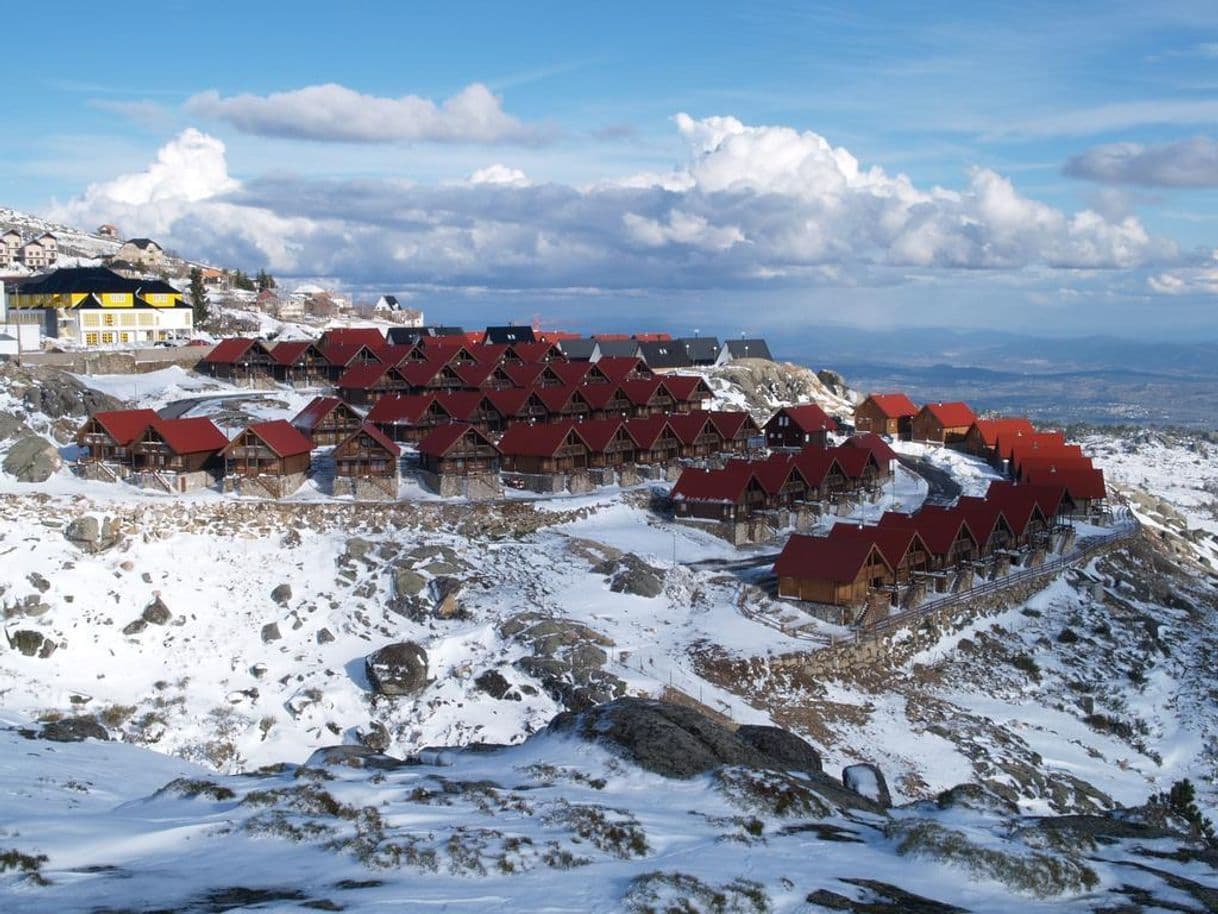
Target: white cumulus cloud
<point>335,113</point>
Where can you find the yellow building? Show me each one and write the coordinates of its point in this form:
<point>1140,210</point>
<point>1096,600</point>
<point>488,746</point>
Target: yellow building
<point>97,307</point>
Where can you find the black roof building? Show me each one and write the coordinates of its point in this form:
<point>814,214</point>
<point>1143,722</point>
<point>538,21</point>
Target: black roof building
<point>581,350</point>
<point>506,336</point>
<point>631,349</point>
<point>702,350</point>
<point>748,349</point>
<point>408,336</point>
<point>665,354</point>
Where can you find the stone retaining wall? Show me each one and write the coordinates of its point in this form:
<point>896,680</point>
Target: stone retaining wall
<point>370,489</point>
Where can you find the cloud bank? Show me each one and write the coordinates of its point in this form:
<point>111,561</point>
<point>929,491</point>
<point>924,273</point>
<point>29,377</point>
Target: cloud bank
<point>1187,163</point>
<point>753,207</point>
<point>334,113</point>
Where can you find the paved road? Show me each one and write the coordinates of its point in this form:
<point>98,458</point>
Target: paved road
<point>179,408</point>
<point>943,489</point>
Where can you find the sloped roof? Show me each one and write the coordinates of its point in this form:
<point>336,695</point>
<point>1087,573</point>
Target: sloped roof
<point>556,398</point>
<point>646,431</point>
<point>289,351</point>
<point>1019,505</point>
<point>748,349</point>
<point>361,377</point>
<point>619,367</point>
<point>597,433</point>
<point>688,426</point>
<point>983,516</point>
<point>444,438</point>
<point>951,415</point>
<point>682,386</point>
<point>78,279</point>
<point>821,558</point>
<point>315,411</point>
<point>580,349</point>
<point>125,425</point>
<point>460,404</point>
<point>618,349</point>
<point>510,334</point>
<point>893,405</point>
<point>1079,482</point>
<point>774,472</point>
<point>191,436</point>
<point>665,354</point>
<point>400,408</point>
<point>1008,442</point>
<point>727,485</point>
<point>1003,427</point>
<point>816,463</point>
<point>1048,497</point>
<point>807,417</point>
<point>354,336</point>
<point>642,391</point>
<point>523,375</point>
<point>342,354</point>
<point>1051,462</point>
<point>509,401</point>
<point>894,543</point>
<point>535,351</point>
<point>729,422</point>
<point>939,527</point>
<point>376,435</point>
<point>228,351</point>
<point>700,349</point>
<point>475,375</point>
<point>524,440</point>
<point>599,395</point>
<point>869,441</point>
<point>570,372</point>
<point>283,438</point>
<point>852,460</point>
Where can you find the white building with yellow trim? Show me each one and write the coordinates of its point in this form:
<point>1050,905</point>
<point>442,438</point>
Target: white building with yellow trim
<point>96,307</point>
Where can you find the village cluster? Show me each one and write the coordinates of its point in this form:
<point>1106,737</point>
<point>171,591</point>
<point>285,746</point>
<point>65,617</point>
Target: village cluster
<point>469,414</point>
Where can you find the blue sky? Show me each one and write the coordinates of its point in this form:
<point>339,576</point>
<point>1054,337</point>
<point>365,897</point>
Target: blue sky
<point>1074,150</point>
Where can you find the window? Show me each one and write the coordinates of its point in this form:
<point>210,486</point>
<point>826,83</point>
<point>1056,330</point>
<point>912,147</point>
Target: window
<point>107,320</point>
<point>91,339</point>
<point>107,339</point>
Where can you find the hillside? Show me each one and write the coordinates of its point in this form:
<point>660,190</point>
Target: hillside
<point>226,635</point>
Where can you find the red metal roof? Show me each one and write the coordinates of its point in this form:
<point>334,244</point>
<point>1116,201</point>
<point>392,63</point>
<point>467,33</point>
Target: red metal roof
<point>444,438</point>
<point>1008,442</point>
<point>824,559</point>
<point>853,460</point>
<point>280,436</point>
<point>641,392</point>
<point>599,395</point>
<point>535,352</point>
<point>1079,482</point>
<point>317,409</point>
<point>190,436</point>
<point>523,375</point>
<point>869,441</point>
<point>939,527</point>
<point>894,543</point>
<point>362,377</point>
<point>775,472</point>
<point>894,405</point>
<point>289,351</point>
<point>376,435</point>
<point>475,375</point>
<point>727,485</point>
<point>951,415</point>
<point>460,404</point>
<point>816,463</point>
<point>647,431</point>
<point>524,440</point>
<point>729,423</point>
<point>354,336</point>
<point>1066,461</point>
<point>683,387</point>
<point>228,351</point>
<point>598,433</point>
<point>400,408</point>
<point>807,417</point>
<point>688,426</point>
<point>571,372</point>
<point>983,515</point>
<point>1003,427</point>
<point>619,367</point>
<point>341,355</point>
<point>125,425</point>
<point>1048,498</point>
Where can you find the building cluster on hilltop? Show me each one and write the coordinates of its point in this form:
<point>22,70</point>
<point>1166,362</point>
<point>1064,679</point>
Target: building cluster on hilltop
<point>36,253</point>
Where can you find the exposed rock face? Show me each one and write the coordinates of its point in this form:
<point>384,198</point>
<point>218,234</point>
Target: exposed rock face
<point>32,459</point>
<point>567,657</point>
<point>58,394</point>
<point>353,757</point>
<point>11,426</point>
<point>493,683</point>
<point>374,736</point>
<point>134,627</point>
<point>270,632</point>
<point>397,669</point>
<point>92,534</point>
<point>630,574</point>
<point>783,746</point>
<point>766,386</point>
<point>282,594</point>
<point>446,592</point>
<point>30,643</point>
<point>867,781</point>
<point>407,582</point>
<point>73,730</point>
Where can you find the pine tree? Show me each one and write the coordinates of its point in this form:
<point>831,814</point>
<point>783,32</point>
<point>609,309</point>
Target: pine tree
<point>265,281</point>
<point>198,296</point>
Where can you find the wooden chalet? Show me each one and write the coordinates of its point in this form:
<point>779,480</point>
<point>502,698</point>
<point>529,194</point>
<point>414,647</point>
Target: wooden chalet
<point>609,444</point>
<point>688,392</point>
<point>731,494</point>
<point>239,359</point>
<point>519,406</point>
<point>272,448</point>
<point>825,477</point>
<point>697,435</point>
<point>366,453</point>
<point>886,414</point>
<point>737,430</point>
<point>300,362</point>
<point>607,401</point>
<point>368,382</point>
<point>884,456</point>
<point>619,369</point>
<point>794,427</point>
<point>341,357</point>
<point>947,535</point>
<point>781,479</point>
<point>1023,507</point>
<point>989,524</point>
<point>839,572</point>
<point>543,449</point>
<point>327,421</point>
<point>904,550</point>
<point>1009,445</point>
<point>1084,488</point>
<point>564,403</point>
<point>369,337</point>
<point>648,397</point>
<point>1027,456</point>
<point>982,437</point>
<point>458,449</point>
<point>408,417</point>
<point>179,446</point>
<point>861,469</point>
<point>107,436</point>
<point>943,423</point>
<point>656,443</point>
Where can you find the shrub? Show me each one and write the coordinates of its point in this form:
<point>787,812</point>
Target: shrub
<point>27,864</point>
<point>1027,664</point>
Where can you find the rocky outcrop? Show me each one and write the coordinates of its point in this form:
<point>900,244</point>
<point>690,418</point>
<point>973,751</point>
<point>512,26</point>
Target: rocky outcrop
<point>630,574</point>
<point>31,643</point>
<point>397,669</point>
<point>32,459</point>
<point>72,730</point>
<point>11,426</point>
<point>568,658</point>
<point>782,746</point>
<point>156,612</point>
<point>91,533</point>
<point>867,781</point>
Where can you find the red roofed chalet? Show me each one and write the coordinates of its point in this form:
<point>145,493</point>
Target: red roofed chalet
<point>943,423</point>
<point>886,414</point>
<point>273,448</point>
<point>837,571</point>
<point>179,446</point>
<point>108,435</point>
<point>367,453</point>
<point>798,426</point>
<point>327,420</point>
<point>458,449</point>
